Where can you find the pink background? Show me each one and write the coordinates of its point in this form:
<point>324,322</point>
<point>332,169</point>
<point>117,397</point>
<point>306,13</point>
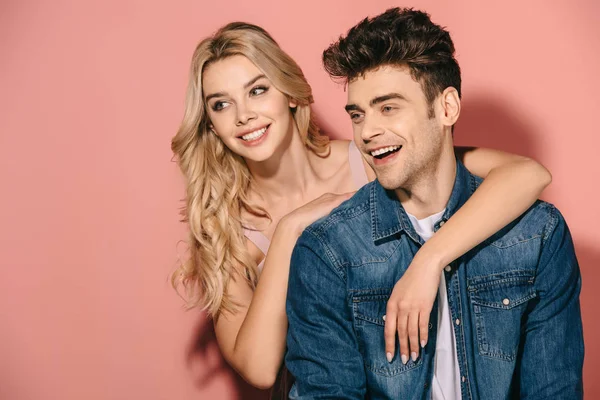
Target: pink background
<point>90,96</point>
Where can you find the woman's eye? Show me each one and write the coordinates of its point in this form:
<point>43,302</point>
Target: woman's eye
<point>258,90</point>
<point>219,105</point>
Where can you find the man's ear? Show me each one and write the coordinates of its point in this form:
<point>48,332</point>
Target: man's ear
<point>449,106</point>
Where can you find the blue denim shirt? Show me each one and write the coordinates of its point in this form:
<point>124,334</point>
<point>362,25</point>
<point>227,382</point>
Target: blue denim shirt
<point>514,301</point>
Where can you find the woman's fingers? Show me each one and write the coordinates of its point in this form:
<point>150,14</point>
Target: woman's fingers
<point>403,336</point>
<point>413,334</point>
<point>390,333</point>
<point>424,327</point>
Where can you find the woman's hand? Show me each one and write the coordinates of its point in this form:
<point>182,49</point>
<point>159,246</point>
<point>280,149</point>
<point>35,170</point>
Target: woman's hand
<point>302,217</point>
<point>409,307</point>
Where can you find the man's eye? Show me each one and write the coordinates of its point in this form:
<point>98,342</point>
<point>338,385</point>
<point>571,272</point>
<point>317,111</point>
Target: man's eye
<point>387,109</point>
<point>258,90</point>
<point>355,117</point>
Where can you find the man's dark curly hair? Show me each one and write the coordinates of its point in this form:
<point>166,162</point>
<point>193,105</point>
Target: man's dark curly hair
<point>399,36</point>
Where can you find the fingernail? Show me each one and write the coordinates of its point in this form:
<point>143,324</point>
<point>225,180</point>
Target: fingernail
<point>423,344</point>
<point>413,355</point>
<point>404,359</point>
<point>389,357</point>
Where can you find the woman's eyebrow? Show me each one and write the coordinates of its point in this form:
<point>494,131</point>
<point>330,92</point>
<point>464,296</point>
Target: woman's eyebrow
<point>246,86</point>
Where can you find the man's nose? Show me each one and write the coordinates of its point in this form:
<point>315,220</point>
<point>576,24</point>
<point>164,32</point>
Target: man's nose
<point>371,128</point>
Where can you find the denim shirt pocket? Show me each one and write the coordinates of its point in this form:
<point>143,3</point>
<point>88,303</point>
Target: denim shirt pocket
<point>369,307</point>
<point>499,302</point>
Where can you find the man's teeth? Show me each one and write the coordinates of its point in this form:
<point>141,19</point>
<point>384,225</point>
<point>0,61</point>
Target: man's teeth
<point>255,134</point>
<point>379,152</point>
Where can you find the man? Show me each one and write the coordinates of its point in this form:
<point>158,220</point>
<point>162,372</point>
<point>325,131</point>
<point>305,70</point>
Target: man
<point>511,326</point>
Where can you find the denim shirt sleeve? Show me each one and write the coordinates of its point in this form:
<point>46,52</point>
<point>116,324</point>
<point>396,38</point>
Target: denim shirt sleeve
<point>322,350</point>
<point>552,359</point>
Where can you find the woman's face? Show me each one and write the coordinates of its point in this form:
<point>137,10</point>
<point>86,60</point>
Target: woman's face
<point>246,111</point>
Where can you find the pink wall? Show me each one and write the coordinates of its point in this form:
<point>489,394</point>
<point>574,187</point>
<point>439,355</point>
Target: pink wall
<point>90,98</point>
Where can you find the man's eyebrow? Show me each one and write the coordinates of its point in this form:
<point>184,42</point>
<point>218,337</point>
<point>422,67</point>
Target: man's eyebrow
<point>352,107</point>
<point>246,86</point>
<point>376,100</point>
<point>386,97</point>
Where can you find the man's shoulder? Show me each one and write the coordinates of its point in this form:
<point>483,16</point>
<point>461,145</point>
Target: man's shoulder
<point>541,211</point>
<point>346,224</point>
<point>538,221</point>
<point>345,214</point>
<point>535,223</point>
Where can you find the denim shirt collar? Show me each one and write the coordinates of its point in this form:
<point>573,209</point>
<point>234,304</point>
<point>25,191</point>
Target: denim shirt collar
<point>388,217</point>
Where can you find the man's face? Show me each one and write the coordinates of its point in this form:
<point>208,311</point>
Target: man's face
<point>392,127</point>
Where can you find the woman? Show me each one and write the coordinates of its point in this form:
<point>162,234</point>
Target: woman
<point>258,172</point>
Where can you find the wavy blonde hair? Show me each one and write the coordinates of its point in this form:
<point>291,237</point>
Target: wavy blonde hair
<point>217,179</point>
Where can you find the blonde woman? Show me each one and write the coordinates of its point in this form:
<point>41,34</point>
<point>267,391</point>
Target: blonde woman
<point>258,172</point>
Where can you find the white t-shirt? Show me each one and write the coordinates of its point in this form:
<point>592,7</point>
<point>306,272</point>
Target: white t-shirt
<point>446,375</point>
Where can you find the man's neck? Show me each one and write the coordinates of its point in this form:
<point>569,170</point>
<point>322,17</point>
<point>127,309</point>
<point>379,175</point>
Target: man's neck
<point>429,192</point>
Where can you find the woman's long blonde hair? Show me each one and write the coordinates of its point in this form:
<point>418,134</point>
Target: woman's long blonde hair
<point>217,179</point>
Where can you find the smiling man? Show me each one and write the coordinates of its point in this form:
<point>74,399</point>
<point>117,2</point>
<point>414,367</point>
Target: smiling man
<point>506,322</point>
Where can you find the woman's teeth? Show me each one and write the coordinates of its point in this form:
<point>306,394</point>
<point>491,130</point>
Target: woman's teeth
<point>255,134</point>
<point>384,150</point>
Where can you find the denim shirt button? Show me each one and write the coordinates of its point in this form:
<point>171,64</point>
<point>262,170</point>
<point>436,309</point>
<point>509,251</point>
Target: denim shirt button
<point>463,378</point>
<point>442,222</point>
<point>430,326</point>
<point>457,322</point>
<point>448,268</point>
<point>506,302</point>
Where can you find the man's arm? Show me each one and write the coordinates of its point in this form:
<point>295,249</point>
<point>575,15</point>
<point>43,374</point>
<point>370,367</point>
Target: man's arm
<point>322,350</point>
<point>552,363</point>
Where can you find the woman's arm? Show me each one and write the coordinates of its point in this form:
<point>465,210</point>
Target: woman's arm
<point>252,339</point>
<point>512,184</point>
